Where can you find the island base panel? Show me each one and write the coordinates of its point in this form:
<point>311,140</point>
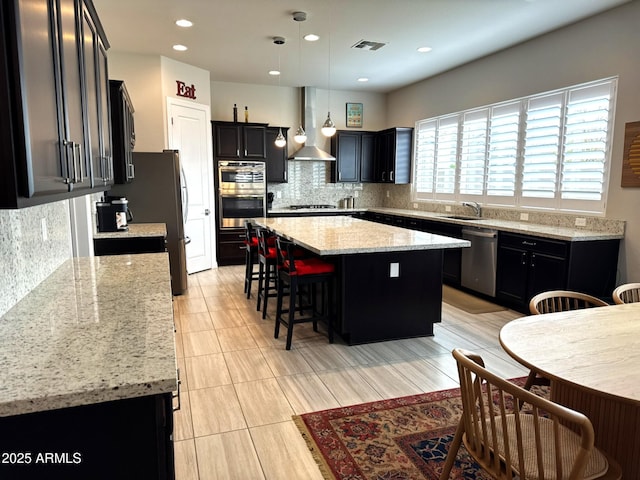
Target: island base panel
<point>123,439</point>
<point>387,296</point>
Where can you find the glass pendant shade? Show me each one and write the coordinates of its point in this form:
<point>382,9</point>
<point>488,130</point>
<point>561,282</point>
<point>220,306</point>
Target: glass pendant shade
<point>301,135</point>
<point>328,127</point>
<point>280,140</point>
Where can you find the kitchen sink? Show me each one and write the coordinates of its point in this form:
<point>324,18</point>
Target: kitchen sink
<point>462,217</point>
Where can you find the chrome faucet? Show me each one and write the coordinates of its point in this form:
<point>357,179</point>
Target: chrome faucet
<point>476,207</point>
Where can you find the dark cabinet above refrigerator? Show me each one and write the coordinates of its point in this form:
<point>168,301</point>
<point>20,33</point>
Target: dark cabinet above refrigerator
<point>123,132</point>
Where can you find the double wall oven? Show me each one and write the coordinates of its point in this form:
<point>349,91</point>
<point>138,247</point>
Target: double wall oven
<point>242,190</point>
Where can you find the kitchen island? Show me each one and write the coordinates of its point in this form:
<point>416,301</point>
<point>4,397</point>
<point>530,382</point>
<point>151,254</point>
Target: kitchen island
<point>389,279</point>
<point>89,367</point>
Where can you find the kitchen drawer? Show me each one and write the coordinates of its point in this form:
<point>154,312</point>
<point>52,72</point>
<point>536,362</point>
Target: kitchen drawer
<point>231,235</point>
<point>556,248</point>
<point>129,245</point>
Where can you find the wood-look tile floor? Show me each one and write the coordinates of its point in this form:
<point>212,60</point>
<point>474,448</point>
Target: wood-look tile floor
<point>240,387</point>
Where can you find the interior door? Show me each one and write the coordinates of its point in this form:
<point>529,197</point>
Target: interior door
<point>189,134</point>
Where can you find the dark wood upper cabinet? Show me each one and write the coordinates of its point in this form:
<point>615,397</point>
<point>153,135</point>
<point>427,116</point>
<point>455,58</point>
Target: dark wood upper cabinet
<point>240,140</point>
<point>393,155</point>
<point>367,157</point>
<point>277,157</point>
<point>47,151</point>
<point>123,132</point>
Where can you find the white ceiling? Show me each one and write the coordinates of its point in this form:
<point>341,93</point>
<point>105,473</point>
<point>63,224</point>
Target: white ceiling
<point>233,39</point>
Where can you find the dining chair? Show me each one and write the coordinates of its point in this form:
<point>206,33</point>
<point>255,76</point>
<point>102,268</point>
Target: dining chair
<point>557,301</point>
<point>547,441</point>
<point>627,293</point>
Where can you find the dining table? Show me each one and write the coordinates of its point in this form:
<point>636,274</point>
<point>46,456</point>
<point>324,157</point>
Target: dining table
<point>592,357</point>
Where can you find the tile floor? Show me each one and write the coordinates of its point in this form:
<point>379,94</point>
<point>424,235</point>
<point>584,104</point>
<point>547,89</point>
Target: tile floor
<point>240,386</point>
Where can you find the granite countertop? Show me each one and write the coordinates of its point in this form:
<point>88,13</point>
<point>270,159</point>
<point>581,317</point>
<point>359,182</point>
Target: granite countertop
<point>319,211</point>
<point>97,329</point>
<point>548,231</point>
<point>340,235</point>
<point>136,230</point>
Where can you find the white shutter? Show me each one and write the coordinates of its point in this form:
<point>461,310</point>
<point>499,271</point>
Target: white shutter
<point>502,159</point>
<point>473,152</point>
<point>446,156</point>
<point>586,143</point>
<point>425,152</point>
<point>542,147</point>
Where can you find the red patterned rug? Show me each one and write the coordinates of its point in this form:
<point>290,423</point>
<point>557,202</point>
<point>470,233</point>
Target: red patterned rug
<point>398,439</point>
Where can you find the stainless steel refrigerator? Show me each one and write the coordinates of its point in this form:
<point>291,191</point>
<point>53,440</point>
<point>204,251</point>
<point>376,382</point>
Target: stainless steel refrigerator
<point>158,194</point>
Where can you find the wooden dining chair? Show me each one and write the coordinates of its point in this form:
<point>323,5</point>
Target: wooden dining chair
<point>547,441</point>
<point>627,293</point>
<point>557,301</point>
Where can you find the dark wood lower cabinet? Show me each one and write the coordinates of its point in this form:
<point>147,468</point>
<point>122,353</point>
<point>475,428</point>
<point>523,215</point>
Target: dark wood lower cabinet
<point>230,246</point>
<point>129,245</point>
<point>123,439</point>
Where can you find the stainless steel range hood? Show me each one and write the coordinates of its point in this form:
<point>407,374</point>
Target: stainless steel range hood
<point>308,112</point>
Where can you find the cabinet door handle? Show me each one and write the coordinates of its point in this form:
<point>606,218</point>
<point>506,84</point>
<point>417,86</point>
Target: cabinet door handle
<point>533,259</point>
<point>524,258</point>
<point>77,147</point>
<point>339,176</point>
<point>391,176</point>
<point>285,175</point>
<point>132,171</point>
<point>177,395</point>
<point>384,175</point>
<point>67,178</point>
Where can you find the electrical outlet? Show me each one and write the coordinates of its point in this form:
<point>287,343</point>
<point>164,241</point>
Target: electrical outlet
<point>415,206</point>
<point>581,222</point>
<point>447,208</point>
<point>524,217</point>
<point>278,194</point>
<point>387,193</point>
<point>394,270</point>
<point>355,194</point>
<point>45,231</point>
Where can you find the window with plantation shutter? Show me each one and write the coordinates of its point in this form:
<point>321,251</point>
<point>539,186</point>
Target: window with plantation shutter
<point>503,151</point>
<point>473,153</point>
<point>549,151</point>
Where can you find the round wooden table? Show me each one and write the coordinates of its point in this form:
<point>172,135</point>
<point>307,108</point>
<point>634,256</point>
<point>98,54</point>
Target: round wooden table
<point>592,357</point>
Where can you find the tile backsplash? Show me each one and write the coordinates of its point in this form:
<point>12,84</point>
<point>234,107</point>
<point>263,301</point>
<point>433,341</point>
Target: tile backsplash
<point>34,242</point>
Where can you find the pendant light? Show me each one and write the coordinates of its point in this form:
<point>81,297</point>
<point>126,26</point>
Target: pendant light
<point>280,140</point>
<point>301,135</point>
<point>328,127</point>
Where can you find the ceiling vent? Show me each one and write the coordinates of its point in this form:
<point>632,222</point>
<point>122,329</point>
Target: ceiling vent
<point>368,45</point>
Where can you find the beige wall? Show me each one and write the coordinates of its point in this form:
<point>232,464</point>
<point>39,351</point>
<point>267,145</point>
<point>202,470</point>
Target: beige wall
<point>142,77</point>
<point>603,46</point>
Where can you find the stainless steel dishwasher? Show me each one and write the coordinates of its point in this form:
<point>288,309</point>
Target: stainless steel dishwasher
<point>478,270</point>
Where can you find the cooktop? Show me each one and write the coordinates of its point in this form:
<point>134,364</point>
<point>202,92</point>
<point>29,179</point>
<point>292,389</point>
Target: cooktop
<point>300,207</point>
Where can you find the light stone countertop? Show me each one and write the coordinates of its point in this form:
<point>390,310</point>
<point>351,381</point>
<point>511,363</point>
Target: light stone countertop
<point>548,231</point>
<point>97,329</point>
<point>136,230</point>
<point>341,235</point>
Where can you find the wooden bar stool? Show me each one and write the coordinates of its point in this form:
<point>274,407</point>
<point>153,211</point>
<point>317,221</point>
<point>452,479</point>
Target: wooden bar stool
<point>250,257</point>
<point>296,273</point>
<point>267,261</point>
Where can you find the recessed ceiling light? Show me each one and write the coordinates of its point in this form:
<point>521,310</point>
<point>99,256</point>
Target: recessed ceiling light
<point>183,22</point>
<point>424,49</point>
<point>179,48</point>
<point>275,73</point>
<point>363,79</point>
<point>311,37</point>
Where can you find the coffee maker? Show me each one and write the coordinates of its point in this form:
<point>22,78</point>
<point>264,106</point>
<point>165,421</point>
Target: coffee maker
<point>113,214</point>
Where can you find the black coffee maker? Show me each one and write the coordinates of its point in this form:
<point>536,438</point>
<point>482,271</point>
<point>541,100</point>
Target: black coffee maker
<point>113,214</point>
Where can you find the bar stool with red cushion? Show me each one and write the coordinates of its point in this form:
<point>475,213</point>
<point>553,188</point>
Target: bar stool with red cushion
<point>251,256</point>
<point>294,273</point>
<point>267,260</point>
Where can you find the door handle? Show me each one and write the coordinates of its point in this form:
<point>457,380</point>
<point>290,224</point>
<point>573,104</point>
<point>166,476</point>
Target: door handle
<point>207,211</point>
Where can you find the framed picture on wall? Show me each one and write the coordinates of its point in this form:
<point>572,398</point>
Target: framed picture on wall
<point>354,115</point>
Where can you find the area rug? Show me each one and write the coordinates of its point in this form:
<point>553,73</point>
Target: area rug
<point>398,439</point>
<point>468,303</point>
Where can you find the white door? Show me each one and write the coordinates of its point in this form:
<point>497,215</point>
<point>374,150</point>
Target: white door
<point>189,132</point>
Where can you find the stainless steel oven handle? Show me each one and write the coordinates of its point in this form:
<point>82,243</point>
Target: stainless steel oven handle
<point>235,195</point>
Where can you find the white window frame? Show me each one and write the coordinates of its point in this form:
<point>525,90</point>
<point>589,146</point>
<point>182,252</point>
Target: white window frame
<point>439,172</point>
